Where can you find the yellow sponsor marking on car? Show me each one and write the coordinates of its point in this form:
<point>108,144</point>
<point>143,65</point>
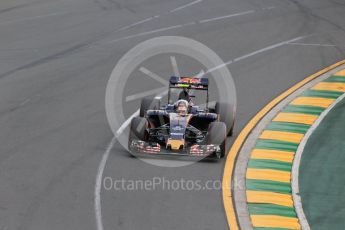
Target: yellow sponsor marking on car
<point>281,136</point>
<point>232,155</point>
<point>269,154</point>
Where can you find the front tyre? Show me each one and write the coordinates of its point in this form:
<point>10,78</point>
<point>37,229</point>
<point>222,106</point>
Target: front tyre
<point>148,103</point>
<point>138,130</point>
<point>217,135</point>
<point>226,113</point>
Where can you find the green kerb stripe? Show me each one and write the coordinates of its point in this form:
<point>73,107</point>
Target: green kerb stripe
<point>267,185</point>
<point>303,109</point>
<point>288,127</point>
<point>277,145</point>
<point>335,79</point>
<point>271,209</point>
<point>322,93</point>
<point>269,164</point>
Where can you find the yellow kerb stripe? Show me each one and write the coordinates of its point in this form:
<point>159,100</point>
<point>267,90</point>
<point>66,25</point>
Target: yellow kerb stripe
<point>340,73</point>
<point>272,221</point>
<point>268,174</point>
<point>296,118</point>
<point>272,155</point>
<point>281,136</point>
<point>313,101</point>
<point>332,86</point>
<point>269,198</point>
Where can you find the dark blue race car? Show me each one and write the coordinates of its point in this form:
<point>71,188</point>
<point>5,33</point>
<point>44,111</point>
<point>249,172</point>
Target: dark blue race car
<point>181,128</point>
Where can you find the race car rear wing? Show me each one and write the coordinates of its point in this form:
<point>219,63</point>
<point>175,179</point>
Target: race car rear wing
<point>189,83</point>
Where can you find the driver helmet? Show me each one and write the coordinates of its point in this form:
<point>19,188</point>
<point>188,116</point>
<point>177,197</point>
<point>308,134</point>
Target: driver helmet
<point>182,107</point>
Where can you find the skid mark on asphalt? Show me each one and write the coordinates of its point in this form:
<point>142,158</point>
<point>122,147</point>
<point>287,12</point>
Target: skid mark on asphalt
<point>187,24</point>
<point>112,4</point>
<point>32,18</point>
<point>17,7</point>
<point>159,15</point>
<point>47,59</point>
<point>77,47</point>
<point>88,44</point>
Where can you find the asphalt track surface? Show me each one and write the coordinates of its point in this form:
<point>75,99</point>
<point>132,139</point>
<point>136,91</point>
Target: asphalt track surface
<point>56,57</point>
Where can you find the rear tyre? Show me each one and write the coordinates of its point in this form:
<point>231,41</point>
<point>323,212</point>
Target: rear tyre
<point>217,135</point>
<point>148,103</point>
<point>226,113</point>
<point>138,130</point>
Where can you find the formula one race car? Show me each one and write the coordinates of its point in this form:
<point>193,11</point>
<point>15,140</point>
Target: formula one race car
<point>181,128</point>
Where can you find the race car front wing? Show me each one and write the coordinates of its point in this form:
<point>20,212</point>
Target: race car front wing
<point>138,147</point>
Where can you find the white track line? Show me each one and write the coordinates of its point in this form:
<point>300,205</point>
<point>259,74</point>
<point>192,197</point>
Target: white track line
<point>227,16</point>
<point>146,33</point>
<point>126,123</point>
<point>138,23</point>
<point>185,6</point>
<point>297,161</point>
<point>98,184</point>
<point>256,52</point>
<point>269,48</point>
<point>311,44</point>
<point>101,167</point>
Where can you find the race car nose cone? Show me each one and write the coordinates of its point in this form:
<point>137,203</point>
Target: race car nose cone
<point>175,144</point>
